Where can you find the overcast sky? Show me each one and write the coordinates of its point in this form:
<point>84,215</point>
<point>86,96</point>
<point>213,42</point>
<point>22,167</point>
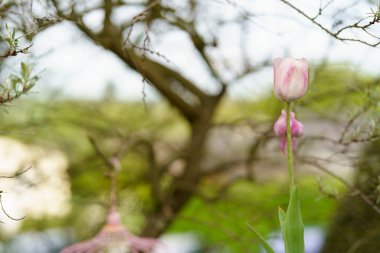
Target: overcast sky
<point>78,68</point>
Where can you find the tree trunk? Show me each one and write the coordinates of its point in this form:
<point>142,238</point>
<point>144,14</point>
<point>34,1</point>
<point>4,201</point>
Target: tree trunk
<point>184,187</point>
<point>196,107</point>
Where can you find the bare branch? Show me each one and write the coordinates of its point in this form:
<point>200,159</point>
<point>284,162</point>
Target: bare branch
<point>336,35</point>
<point>10,53</point>
<point>198,42</point>
<point>354,190</point>
<point>107,161</point>
<point>18,173</point>
<point>9,216</point>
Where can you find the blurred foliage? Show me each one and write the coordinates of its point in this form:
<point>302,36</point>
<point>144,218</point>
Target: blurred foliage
<point>18,84</point>
<point>15,85</point>
<point>333,88</point>
<point>66,125</point>
<point>12,39</point>
<point>222,224</point>
<point>356,226</point>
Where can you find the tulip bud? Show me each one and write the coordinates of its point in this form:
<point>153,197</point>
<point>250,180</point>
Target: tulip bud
<point>290,78</point>
<point>279,128</point>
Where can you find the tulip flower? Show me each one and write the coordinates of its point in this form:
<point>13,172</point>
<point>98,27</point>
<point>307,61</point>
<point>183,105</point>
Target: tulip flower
<point>280,129</point>
<point>290,83</point>
<point>290,78</point>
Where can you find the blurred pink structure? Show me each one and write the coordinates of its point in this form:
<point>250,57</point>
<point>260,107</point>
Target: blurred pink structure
<point>113,238</point>
<point>279,129</point>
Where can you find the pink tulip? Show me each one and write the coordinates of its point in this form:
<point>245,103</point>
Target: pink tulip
<point>280,129</point>
<point>290,78</point>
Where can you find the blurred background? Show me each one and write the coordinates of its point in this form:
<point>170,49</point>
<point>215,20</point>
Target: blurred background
<point>180,92</point>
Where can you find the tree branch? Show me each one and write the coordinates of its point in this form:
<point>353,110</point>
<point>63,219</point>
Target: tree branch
<point>336,35</point>
<point>355,190</point>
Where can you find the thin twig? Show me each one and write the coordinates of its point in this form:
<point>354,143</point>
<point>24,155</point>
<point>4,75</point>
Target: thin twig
<point>104,157</point>
<point>10,217</point>
<point>336,34</point>
<point>17,173</point>
<point>10,53</point>
<point>355,190</point>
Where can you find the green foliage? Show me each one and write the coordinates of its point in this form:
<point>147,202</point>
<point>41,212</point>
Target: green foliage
<point>375,13</point>
<point>64,125</point>
<point>13,42</point>
<point>11,38</point>
<point>16,85</point>
<point>222,223</point>
<point>327,189</point>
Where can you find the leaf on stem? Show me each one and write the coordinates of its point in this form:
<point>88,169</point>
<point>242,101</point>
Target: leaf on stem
<point>265,244</point>
<point>292,225</point>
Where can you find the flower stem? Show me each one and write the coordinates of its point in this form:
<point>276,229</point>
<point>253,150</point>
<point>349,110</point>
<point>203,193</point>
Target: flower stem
<point>289,148</point>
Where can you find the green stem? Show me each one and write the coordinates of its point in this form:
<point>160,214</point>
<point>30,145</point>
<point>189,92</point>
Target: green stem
<point>289,148</point>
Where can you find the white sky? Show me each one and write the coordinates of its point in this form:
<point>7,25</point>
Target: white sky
<point>78,68</point>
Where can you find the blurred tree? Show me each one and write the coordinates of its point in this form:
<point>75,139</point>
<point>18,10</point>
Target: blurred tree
<point>174,180</point>
<point>197,106</point>
<point>219,218</point>
<point>127,130</point>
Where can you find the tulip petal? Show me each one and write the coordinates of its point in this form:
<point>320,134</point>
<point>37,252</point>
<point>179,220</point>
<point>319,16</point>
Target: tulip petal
<point>290,78</point>
<point>279,129</point>
<point>280,125</point>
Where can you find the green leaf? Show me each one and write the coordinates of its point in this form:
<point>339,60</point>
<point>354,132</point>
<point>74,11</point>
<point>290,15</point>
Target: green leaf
<point>281,217</point>
<point>293,229</point>
<point>9,41</point>
<point>34,79</point>
<point>265,244</point>
<point>7,28</point>
<point>25,71</point>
